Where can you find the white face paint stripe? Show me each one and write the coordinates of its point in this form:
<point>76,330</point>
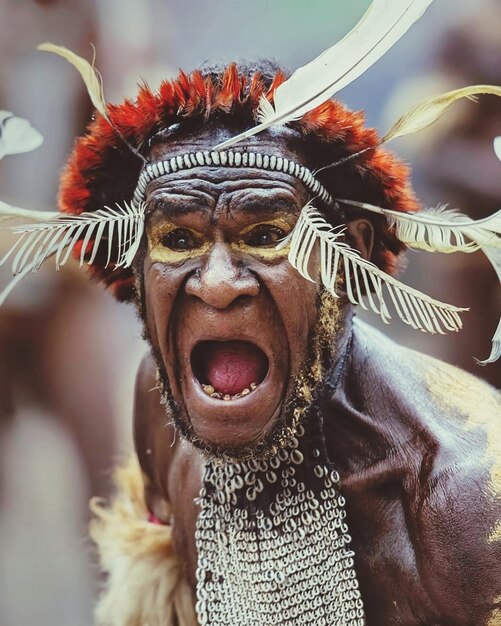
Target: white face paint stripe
<point>230,158</point>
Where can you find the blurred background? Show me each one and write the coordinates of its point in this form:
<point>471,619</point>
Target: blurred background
<point>68,352</point>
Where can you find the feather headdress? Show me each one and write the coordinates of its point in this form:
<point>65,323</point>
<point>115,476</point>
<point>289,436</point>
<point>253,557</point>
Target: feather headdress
<point>303,101</point>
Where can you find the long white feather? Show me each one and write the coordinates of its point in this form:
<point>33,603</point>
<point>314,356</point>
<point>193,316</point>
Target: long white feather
<point>494,256</point>
<point>385,22</point>
<point>429,111</point>
<point>497,147</point>
<point>423,115</point>
<point>17,135</point>
<point>446,231</point>
<point>8,212</point>
<point>89,74</point>
<point>440,229</point>
<point>6,291</point>
<point>413,307</point>
<point>122,227</point>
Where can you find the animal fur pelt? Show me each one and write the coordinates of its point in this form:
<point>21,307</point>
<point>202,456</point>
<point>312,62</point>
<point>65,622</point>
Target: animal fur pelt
<point>145,584</point>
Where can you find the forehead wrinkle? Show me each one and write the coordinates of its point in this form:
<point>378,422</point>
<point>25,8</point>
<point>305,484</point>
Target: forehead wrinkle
<point>227,192</point>
<point>262,202</point>
<point>180,202</point>
<point>219,178</point>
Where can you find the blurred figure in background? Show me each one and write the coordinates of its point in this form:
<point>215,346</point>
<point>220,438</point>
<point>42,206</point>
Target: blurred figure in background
<point>453,162</point>
<point>37,369</point>
<point>64,352</point>
<point>465,171</point>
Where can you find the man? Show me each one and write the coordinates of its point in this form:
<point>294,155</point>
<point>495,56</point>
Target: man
<point>295,466</point>
<point>275,388</point>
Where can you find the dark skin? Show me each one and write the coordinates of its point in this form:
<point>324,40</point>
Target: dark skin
<point>408,487</point>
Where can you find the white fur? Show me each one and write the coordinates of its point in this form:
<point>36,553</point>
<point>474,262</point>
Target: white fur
<point>145,585</point>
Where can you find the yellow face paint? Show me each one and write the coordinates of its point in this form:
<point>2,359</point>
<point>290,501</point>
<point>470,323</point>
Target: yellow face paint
<point>166,241</point>
<point>266,253</point>
<point>162,252</point>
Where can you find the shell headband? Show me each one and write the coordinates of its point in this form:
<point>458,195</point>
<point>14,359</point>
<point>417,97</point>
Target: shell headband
<point>120,229</point>
<point>230,158</point>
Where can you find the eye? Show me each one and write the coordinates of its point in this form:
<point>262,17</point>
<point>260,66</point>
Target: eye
<point>264,236</point>
<point>181,239</point>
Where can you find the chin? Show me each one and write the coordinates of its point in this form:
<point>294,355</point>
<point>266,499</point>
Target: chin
<point>231,385</point>
<point>244,425</point>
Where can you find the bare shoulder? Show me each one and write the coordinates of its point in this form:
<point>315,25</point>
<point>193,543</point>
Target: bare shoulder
<point>458,531</point>
<point>453,483</point>
<point>461,513</point>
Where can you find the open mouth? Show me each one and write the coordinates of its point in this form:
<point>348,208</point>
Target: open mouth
<point>229,370</point>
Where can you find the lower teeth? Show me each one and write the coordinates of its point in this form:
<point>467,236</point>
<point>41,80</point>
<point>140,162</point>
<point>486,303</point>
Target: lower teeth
<point>210,391</point>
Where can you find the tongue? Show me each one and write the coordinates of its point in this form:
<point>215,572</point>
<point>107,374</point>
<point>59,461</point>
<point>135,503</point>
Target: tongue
<point>231,366</point>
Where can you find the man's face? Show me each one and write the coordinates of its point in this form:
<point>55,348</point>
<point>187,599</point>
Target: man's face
<point>228,317</point>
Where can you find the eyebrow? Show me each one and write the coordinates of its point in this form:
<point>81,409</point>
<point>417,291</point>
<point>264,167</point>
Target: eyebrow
<point>255,206</point>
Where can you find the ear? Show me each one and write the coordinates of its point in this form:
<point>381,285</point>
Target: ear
<point>360,235</point>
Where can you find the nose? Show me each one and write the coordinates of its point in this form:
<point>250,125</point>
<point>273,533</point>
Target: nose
<point>220,281</point>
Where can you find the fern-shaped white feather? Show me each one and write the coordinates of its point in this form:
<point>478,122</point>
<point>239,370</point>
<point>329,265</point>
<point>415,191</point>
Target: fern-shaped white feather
<point>28,269</point>
<point>413,307</point>
<point>8,212</point>
<point>440,229</point>
<point>385,22</point>
<point>122,228</point>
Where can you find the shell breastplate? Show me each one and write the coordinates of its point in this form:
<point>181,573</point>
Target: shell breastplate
<point>273,543</point>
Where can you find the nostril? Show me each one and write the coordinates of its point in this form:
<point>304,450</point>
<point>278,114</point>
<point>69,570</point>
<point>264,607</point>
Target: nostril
<point>220,291</point>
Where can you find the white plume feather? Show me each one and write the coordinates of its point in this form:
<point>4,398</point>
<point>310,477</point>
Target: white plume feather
<point>122,227</point>
<point>385,22</point>
<point>494,256</point>
<point>441,229</point>
<point>429,111</point>
<point>89,74</point>
<point>17,135</point>
<point>497,147</point>
<point>413,307</point>
<point>422,116</point>
<point>5,293</point>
